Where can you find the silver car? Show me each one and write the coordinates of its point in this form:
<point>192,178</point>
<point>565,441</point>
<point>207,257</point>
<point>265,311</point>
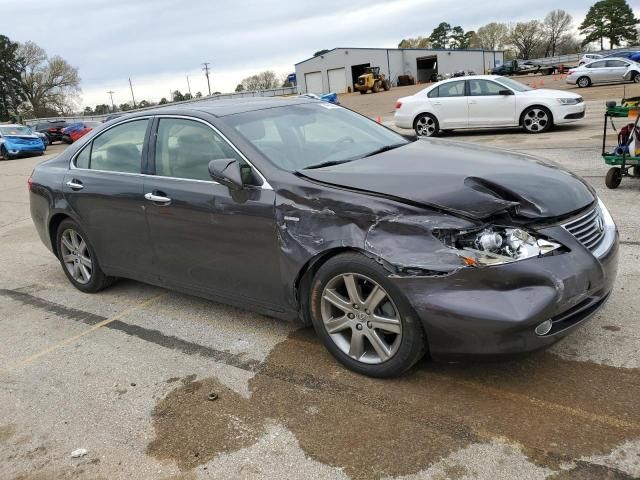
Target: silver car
<point>605,71</point>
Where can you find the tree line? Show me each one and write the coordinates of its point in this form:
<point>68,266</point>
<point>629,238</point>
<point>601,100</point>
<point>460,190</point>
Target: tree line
<point>612,21</point>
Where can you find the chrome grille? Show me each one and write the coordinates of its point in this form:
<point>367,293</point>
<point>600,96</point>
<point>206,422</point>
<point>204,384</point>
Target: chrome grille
<point>588,229</point>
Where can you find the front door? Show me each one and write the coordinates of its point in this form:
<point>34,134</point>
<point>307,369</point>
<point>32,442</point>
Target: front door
<point>450,106</point>
<point>104,189</point>
<point>204,237</point>
<point>487,107</point>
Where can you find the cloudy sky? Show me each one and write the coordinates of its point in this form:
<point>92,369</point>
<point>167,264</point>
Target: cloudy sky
<point>159,42</point>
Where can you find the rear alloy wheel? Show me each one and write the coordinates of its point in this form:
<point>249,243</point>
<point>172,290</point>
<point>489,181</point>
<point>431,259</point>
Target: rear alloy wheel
<point>361,318</point>
<point>636,77</point>
<point>78,259</point>
<point>426,125</point>
<point>536,120</point>
<point>584,82</point>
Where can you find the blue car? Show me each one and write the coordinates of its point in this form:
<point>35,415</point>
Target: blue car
<point>19,141</point>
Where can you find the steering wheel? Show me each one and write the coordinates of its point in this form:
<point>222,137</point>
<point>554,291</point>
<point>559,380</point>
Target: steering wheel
<point>338,146</point>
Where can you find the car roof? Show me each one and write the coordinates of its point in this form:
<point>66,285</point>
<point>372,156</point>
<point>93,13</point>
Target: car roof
<point>224,107</point>
<point>472,77</point>
<point>12,125</point>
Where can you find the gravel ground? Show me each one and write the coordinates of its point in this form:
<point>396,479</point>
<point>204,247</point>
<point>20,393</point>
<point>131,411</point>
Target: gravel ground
<point>126,373</point>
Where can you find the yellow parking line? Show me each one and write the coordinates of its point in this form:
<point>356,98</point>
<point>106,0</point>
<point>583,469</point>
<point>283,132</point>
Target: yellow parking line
<point>101,324</point>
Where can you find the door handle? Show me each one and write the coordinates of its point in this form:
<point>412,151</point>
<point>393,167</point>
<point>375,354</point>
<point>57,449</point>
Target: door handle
<point>75,184</point>
<point>437,103</point>
<point>472,102</point>
<point>157,199</point>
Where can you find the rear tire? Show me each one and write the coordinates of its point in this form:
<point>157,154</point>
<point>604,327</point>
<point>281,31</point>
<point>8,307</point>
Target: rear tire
<point>613,178</point>
<point>636,77</point>
<point>426,125</point>
<point>363,92</point>
<point>386,85</point>
<point>376,87</point>
<point>78,259</point>
<point>391,325</point>
<point>584,82</point>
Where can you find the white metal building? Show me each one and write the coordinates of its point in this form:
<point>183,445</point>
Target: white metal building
<point>338,69</point>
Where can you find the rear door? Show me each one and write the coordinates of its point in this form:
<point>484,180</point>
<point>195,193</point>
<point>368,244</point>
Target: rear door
<point>449,104</point>
<point>616,70</point>
<point>104,189</point>
<point>487,107</point>
<point>204,237</point>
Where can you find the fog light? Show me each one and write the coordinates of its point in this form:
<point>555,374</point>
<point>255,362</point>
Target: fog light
<point>544,327</point>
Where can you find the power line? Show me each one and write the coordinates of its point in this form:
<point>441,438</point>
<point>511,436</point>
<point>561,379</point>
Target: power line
<point>205,69</point>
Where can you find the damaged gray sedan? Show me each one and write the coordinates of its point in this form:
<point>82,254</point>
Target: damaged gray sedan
<point>304,210</point>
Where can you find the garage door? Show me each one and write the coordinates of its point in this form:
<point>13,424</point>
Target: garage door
<point>337,80</point>
<point>314,82</point>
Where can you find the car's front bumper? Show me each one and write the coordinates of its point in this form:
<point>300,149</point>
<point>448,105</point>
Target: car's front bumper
<point>25,150</point>
<point>495,310</point>
<point>569,113</point>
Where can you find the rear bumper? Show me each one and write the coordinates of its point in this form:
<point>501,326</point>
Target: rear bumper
<point>403,120</point>
<point>495,310</point>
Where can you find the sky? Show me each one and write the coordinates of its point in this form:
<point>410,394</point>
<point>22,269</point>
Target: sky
<point>158,43</point>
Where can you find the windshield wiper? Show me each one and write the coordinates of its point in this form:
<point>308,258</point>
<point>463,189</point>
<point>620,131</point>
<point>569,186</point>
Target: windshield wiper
<point>329,163</point>
<point>386,148</point>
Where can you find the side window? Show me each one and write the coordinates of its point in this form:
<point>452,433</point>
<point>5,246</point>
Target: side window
<point>596,65</point>
<point>119,149</point>
<point>616,63</point>
<point>479,88</point>
<point>451,89</point>
<point>184,149</point>
<point>82,160</point>
<point>434,93</point>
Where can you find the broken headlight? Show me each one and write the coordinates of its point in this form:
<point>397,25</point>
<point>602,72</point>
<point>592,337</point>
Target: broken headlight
<point>496,245</point>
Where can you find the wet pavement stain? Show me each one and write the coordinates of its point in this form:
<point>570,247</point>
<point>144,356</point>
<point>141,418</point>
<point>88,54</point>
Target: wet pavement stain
<point>554,410</point>
<point>590,471</point>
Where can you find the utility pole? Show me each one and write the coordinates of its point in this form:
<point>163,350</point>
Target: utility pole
<point>113,107</point>
<point>134,98</point>
<point>205,68</point>
<point>188,85</point>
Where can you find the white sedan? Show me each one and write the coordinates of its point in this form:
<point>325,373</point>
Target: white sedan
<point>486,101</point>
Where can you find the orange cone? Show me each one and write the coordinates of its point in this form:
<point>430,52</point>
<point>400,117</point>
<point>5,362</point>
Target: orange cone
<point>542,82</point>
<point>534,84</point>
<point>379,119</point>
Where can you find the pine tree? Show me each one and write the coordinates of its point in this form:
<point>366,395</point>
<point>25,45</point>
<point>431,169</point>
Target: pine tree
<point>610,19</point>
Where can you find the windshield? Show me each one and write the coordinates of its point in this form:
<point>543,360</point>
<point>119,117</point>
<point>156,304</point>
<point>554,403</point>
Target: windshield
<point>306,135</point>
<point>514,85</point>
<point>17,130</point>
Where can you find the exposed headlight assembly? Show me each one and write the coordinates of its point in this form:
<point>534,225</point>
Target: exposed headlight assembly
<point>496,245</point>
<point>569,101</point>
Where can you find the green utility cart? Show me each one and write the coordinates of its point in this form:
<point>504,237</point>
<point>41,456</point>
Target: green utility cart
<point>621,160</point>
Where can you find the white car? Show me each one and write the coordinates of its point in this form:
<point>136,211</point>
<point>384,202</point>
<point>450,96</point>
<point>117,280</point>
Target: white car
<point>486,101</point>
<point>589,57</point>
<point>607,70</point>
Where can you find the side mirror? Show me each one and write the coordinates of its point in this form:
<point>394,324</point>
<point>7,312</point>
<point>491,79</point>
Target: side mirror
<point>227,172</point>
<point>505,92</point>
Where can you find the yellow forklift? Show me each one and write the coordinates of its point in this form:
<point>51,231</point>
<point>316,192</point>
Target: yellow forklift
<point>372,80</point>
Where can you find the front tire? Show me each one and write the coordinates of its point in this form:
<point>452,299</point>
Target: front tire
<point>584,82</point>
<point>536,120</point>
<point>363,319</point>
<point>78,259</point>
<point>4,154</point>
<point>426,125</point>
<point>613,178</point>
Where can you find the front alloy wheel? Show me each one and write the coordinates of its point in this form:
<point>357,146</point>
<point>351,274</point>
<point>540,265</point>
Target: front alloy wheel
<point>536,120</point>
<point>361,318</point>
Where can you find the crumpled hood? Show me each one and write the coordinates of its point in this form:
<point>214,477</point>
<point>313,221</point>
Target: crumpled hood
<point>468,179</point>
